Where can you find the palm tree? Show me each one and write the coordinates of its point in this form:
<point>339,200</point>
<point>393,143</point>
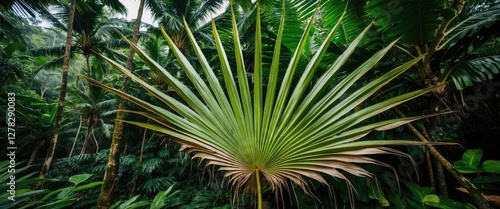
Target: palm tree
<point>284,134</point>
<point>10,10</point>
<point>107,194</point>
<point>86,30</point>
<point>93,33</point>
<point>62,93</point>
<point>170,15</point>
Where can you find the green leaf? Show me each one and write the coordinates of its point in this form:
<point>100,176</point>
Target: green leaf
<point>419,193</point>
<point>470,161</point>
<point>353,23</point>
<point>414,21</point>
<point>377,194</point>
<point>486,180</point>
<point>64,193</point>
<point>139,204</point>
<point>86,186</point>
<point>127,203</point>
<point>58,204</point>
<point>431,199</point>
<point>479,69</point>
<point>77,179</point>
<point>307,129</point>
<point>474,23</point>
<point>54,192</point>
<point>443,203</point>
<point>162,198</point>
<point>491,166</point>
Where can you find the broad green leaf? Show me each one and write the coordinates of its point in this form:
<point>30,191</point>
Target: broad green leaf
<point>486,180</point>
<point>491,166</point>
<point>86,186</point>
<point>431,199</point>
<point>443,203</point>
<point>64,193</point>
<point>77,179</point>
<point>414,21</point>
<point>419,192</point>
<point>127,203</point>
<point>470,161</point>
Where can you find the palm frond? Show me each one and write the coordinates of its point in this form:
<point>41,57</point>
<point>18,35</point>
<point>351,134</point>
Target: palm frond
<point>352,24</point>
<point>292,132</point>
<point>470,26</point>
<point>479,69</point>
<point>414,21</point>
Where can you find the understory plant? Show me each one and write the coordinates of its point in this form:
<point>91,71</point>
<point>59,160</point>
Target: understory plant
<point>274,132</point>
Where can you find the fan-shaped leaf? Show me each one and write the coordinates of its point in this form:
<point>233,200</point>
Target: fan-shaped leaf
<point>306,130</point>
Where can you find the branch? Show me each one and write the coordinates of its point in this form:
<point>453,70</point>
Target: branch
<point>473,190</point>
<point>439,35</point>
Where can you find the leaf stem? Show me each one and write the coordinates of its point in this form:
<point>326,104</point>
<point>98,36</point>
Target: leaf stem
<point>259,189</point>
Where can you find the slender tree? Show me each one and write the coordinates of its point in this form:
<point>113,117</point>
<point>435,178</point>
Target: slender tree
<point>62,92</point>
<point>107,194</point>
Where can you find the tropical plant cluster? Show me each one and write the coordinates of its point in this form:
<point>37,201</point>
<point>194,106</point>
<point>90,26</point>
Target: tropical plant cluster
<point>251,104</point>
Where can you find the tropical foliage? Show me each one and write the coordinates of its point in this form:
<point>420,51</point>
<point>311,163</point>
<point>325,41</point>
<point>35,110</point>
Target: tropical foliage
<point>274,104</point>
<point>243,134</point>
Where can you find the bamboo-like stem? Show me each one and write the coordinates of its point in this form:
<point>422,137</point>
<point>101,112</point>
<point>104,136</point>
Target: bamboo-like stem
<point>441,184</point>
<point>76,137</point>
<point>481,203</point>
<point>431,170</point>
<point>259,189</point>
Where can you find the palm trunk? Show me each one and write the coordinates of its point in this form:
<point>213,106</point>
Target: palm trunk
<point>62,94</point>
<point>107,194</point>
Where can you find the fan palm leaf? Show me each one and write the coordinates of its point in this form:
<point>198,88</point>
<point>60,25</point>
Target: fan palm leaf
<point>288,132</point>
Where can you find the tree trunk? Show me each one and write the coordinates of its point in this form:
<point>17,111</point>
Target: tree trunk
<point>62,94</point>
<point>476,195</point>
<point>107,194</point>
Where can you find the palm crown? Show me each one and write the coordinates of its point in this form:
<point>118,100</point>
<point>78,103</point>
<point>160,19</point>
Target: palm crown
<point>284,134</point>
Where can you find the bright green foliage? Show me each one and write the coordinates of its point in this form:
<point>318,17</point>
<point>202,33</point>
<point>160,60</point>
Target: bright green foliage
<point>351,25</point>
<point>415,21</point>
<point>67,196</point>
<point>288,132</point>
<point>423,199</point>
<point>26,197</point>
<point>471,160</point>
<point>468,71</point>
<point>22,186</point>
<point>161,200</point>
<point>468,49</point>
